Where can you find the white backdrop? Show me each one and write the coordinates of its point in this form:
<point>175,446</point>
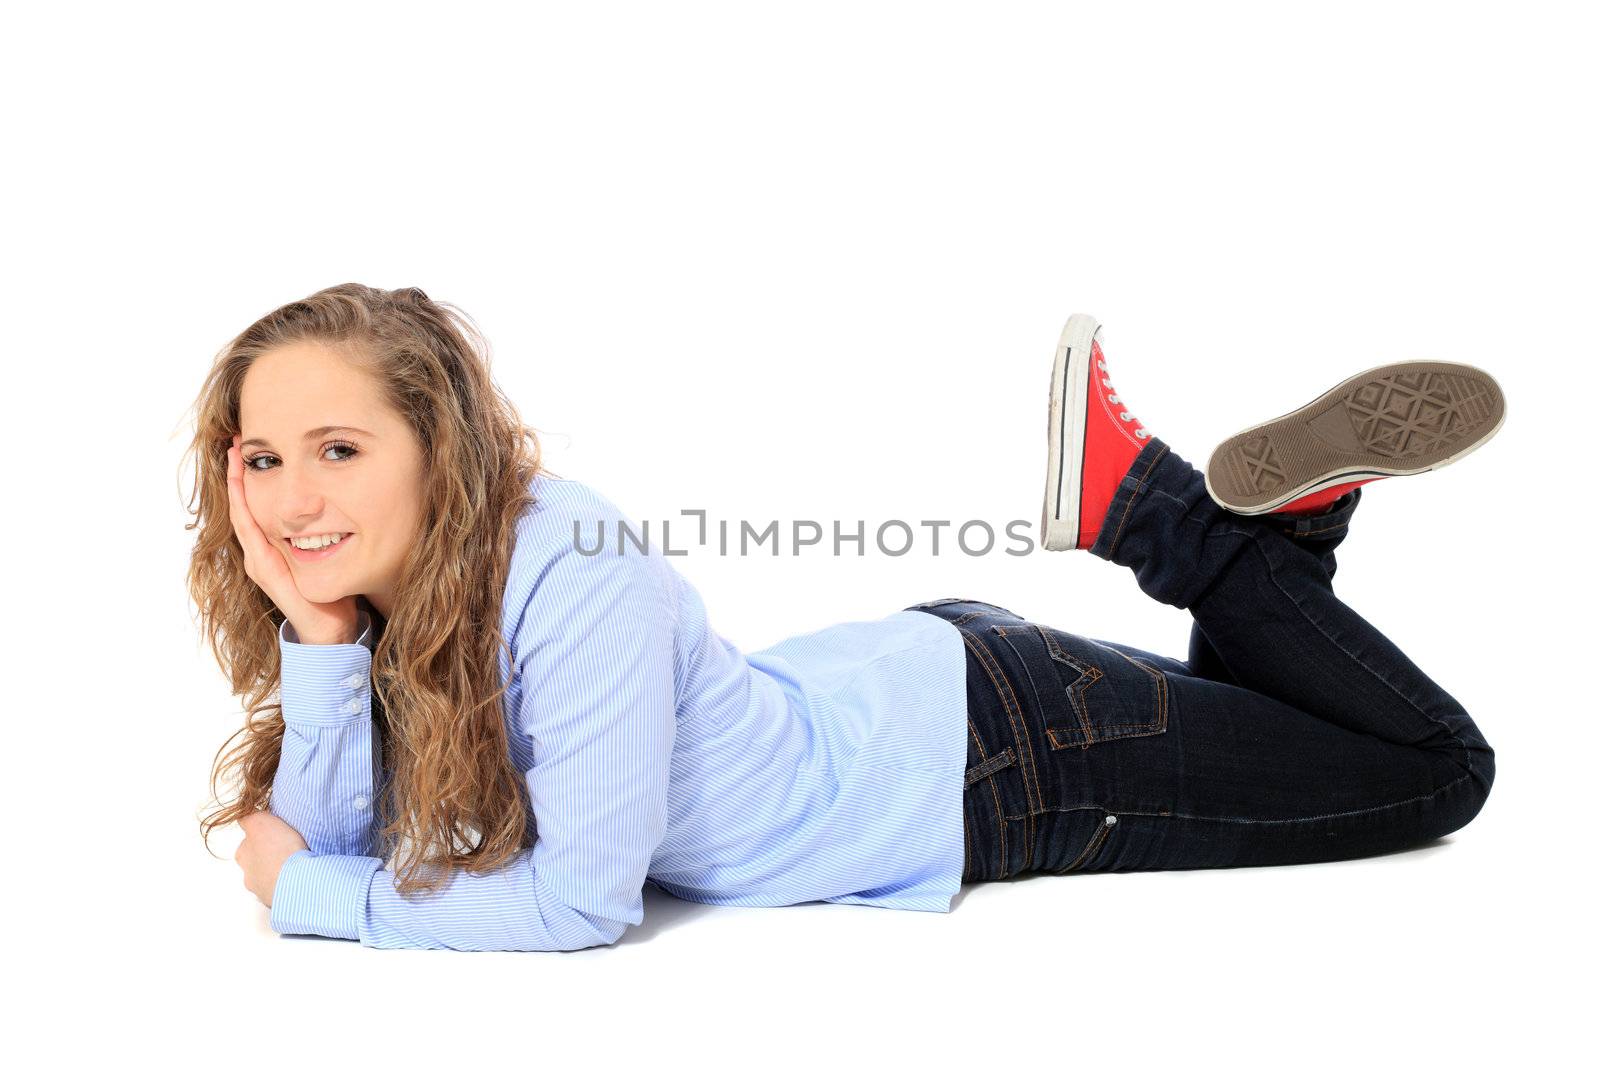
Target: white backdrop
<point>810,262</point>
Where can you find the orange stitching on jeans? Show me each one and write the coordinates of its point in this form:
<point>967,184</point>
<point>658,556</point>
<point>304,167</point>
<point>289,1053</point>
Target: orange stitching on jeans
<point>1094,673</point>
<point>1131,498</point>
<point>1080,702</point>
<point>1090,849</point>
<point>1161,687</point>
<point>994,764</point>
<point>1019,725</point>
<point>1019,728</point>
<point>994,792</point>
<point>980,771</point>
<point>969,616</point>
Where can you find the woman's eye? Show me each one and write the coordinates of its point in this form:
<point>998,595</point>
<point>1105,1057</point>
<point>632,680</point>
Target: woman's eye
<point>250,464</point>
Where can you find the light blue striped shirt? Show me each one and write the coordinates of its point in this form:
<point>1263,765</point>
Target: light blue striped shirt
<point>828,767</point>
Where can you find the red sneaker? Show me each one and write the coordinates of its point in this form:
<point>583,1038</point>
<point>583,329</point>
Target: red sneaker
<point>1093,440</point>
<point>1397,419</point>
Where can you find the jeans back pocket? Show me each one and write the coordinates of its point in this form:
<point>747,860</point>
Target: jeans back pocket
<point>1085,692</point>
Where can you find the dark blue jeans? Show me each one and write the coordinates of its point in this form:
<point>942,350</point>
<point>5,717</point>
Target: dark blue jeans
<point>1294,733</point>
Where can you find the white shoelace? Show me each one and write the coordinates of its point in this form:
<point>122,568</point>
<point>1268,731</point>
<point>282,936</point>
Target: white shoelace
<point>1125,415</point>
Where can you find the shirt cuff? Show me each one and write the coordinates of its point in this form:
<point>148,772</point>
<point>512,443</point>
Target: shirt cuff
<point>286,630</point>
<point>322,895</point>
<point>325,685</point>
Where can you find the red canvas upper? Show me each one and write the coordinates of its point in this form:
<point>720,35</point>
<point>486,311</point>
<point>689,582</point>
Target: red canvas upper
<point>1109,448</point>
<point>1320,501</point>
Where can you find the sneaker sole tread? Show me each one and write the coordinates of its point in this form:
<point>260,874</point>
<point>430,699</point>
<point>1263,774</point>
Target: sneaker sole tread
<point>1393,420</point>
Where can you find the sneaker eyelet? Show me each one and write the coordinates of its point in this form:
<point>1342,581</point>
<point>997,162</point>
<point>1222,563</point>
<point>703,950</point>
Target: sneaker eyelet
<point>1126,417</point>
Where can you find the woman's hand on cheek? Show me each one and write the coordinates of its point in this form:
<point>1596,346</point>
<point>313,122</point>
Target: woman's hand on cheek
<point>265,564</point>
<point>268,842</point>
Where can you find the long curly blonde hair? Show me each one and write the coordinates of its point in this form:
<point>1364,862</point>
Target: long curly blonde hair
<point>451,797</point>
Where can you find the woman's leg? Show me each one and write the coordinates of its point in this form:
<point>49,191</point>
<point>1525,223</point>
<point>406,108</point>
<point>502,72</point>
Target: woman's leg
<point>1330,742</point>
<point>1089,755</point>
<point>1317,534</point>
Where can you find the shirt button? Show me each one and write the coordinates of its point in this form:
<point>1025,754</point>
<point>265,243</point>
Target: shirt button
<point>352,706</point>
<point>356,680</point>
<point>359,803</point>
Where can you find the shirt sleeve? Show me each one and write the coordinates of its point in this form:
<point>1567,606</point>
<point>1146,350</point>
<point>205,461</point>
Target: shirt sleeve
<point>327,767</point>
<point>595,649</point>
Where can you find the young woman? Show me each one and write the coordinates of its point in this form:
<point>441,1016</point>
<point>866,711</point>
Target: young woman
<point>488,735</point>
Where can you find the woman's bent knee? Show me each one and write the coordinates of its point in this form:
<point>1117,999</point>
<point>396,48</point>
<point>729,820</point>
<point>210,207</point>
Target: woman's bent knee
<point>1462,800</point>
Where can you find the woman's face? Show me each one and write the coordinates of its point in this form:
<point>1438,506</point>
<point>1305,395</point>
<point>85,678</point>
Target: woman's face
<point>363,478</point>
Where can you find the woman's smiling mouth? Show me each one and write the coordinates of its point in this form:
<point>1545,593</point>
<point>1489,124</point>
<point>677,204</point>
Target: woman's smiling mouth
<point>311,555</point>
